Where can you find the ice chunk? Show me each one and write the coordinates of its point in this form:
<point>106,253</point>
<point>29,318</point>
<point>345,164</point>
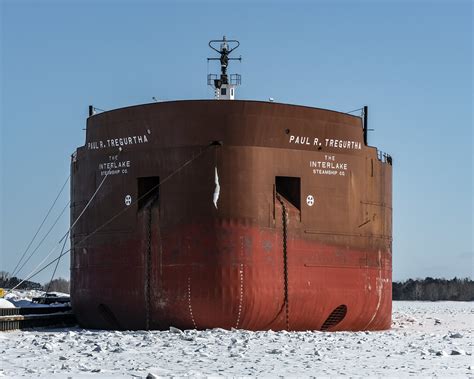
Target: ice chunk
<point>175,330</point>
<point>48,347</point>
<point>274,351</point>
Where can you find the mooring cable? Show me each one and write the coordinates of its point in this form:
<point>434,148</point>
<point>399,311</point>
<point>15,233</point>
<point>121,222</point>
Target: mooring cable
<point>65,235</point>
<point>42,223</point>
<point>57,264</point>
<point>89,202</point>
<point>146,193</point>
<point>40,270</point>
<point>42,240</point>
<point>33,274</point>
<point>39,264</point>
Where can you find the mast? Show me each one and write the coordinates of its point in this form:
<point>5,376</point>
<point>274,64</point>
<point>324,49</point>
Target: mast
<point>224,85</point>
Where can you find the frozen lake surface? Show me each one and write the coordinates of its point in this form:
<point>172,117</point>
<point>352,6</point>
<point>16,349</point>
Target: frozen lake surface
<point>427,339</point>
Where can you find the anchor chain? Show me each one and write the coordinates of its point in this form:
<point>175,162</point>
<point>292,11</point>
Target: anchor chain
<point>149,261</point>
<point>285,260</point>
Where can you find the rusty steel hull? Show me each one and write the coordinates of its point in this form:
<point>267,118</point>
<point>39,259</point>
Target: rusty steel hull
<point>232,214</point>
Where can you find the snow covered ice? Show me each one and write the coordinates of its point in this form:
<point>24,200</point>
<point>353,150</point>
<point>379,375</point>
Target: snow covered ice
<point>24,299</point>
<point>427,339</point>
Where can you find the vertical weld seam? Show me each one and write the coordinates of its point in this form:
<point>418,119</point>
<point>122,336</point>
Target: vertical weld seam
<point>241,276</point>
<point>379,284</point>
<point>189,303</point>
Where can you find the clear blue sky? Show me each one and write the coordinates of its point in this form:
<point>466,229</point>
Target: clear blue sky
<point>410,62</point>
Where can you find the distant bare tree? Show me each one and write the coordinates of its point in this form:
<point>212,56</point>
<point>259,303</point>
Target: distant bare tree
<point>4,276</point>
<point>57,285</point>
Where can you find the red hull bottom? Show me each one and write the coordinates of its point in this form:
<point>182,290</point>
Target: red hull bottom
<point>234,276</point>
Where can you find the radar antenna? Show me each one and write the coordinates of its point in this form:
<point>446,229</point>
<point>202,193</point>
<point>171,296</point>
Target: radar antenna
<point>224,85</point>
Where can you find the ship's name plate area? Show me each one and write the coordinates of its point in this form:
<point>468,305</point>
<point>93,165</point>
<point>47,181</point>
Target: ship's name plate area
<point>328,166</point>
<point>117,142</point>
<point>327,142</point>
<point>114,166</point>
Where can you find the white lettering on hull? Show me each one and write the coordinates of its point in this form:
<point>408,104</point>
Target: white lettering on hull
<point>327,142</point>
<point>117,142</point>
<point>114,166</point>
<point>328,166</point>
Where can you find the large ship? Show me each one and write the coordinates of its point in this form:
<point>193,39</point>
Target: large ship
<point>230,213</point>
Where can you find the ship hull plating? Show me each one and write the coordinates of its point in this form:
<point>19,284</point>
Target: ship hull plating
<point>230,214</point>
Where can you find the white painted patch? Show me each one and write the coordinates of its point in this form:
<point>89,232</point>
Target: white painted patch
<point>128,200</point>
<point>217,189</point>
<point>310,200</point>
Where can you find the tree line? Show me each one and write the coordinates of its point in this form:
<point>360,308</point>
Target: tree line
<point>429,289</point>
<point>56,285</point>
<point>432,289</point>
